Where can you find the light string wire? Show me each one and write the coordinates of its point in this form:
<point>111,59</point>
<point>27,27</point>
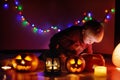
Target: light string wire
<point>35,29</point>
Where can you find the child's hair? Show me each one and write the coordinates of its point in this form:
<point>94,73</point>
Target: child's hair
<point>97,28</point>
<point>93,25</point>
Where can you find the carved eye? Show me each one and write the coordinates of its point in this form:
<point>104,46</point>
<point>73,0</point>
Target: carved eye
<point>79,62</point>
<point>19,57</point>
<point>28,58</point>
<point>72,61</point>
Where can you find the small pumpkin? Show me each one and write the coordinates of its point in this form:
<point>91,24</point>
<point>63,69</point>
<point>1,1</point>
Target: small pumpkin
<point>25,62</point>
<point>75,64</point>
<point>93,60</point>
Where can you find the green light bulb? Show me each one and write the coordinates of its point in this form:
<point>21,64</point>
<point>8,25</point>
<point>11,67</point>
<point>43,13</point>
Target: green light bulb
<point>19,8</point>
<point>24,23</point>
<point>90,18</point>
<point>35,29</point>
<point>112,10</point>
<point>86,18</point>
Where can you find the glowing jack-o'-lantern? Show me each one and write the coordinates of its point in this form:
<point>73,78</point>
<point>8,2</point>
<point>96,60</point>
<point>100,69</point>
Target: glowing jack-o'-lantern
<point>116,56</point>
<point>75,64</point>
<point>93,60</point>
<point>25,62</point>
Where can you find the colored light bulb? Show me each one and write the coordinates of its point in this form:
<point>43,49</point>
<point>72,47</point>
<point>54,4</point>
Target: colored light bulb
<point>35,29</point>
<point>19,8</point>
<point>112,10</point>
<point>5,6</point>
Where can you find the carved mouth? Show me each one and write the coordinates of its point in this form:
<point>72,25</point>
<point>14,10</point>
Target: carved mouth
<point>19,67</point>
<point>75,69</point>
<point>23,67</point>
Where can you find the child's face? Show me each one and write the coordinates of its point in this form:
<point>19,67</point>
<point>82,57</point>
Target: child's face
<point>89,38</point>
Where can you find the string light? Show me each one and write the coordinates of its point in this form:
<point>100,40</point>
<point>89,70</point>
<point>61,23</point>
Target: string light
<point>6,6</point>
<point>112,10</point>
<point>35,29</point>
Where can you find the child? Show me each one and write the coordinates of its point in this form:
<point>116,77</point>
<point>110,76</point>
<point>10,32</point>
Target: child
<point>77,39</point>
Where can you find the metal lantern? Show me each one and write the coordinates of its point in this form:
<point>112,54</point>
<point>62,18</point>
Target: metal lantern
<point>52,63</point>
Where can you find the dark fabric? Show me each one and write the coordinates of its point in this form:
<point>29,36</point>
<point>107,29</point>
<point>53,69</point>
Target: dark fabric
<point>68,40</point>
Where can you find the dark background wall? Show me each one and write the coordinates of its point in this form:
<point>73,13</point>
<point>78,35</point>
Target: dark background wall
<point>46,13</point>
<point>117,23</point>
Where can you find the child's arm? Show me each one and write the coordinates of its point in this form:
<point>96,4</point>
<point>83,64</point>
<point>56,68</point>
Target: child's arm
<point>88,50</point>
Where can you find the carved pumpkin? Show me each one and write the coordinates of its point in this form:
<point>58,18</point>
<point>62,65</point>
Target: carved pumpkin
<point>25,62</point>
<point>75,64</point>
<point>93,60</point>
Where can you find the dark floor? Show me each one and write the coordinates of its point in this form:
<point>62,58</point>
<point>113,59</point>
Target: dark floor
<point>112,73</point>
